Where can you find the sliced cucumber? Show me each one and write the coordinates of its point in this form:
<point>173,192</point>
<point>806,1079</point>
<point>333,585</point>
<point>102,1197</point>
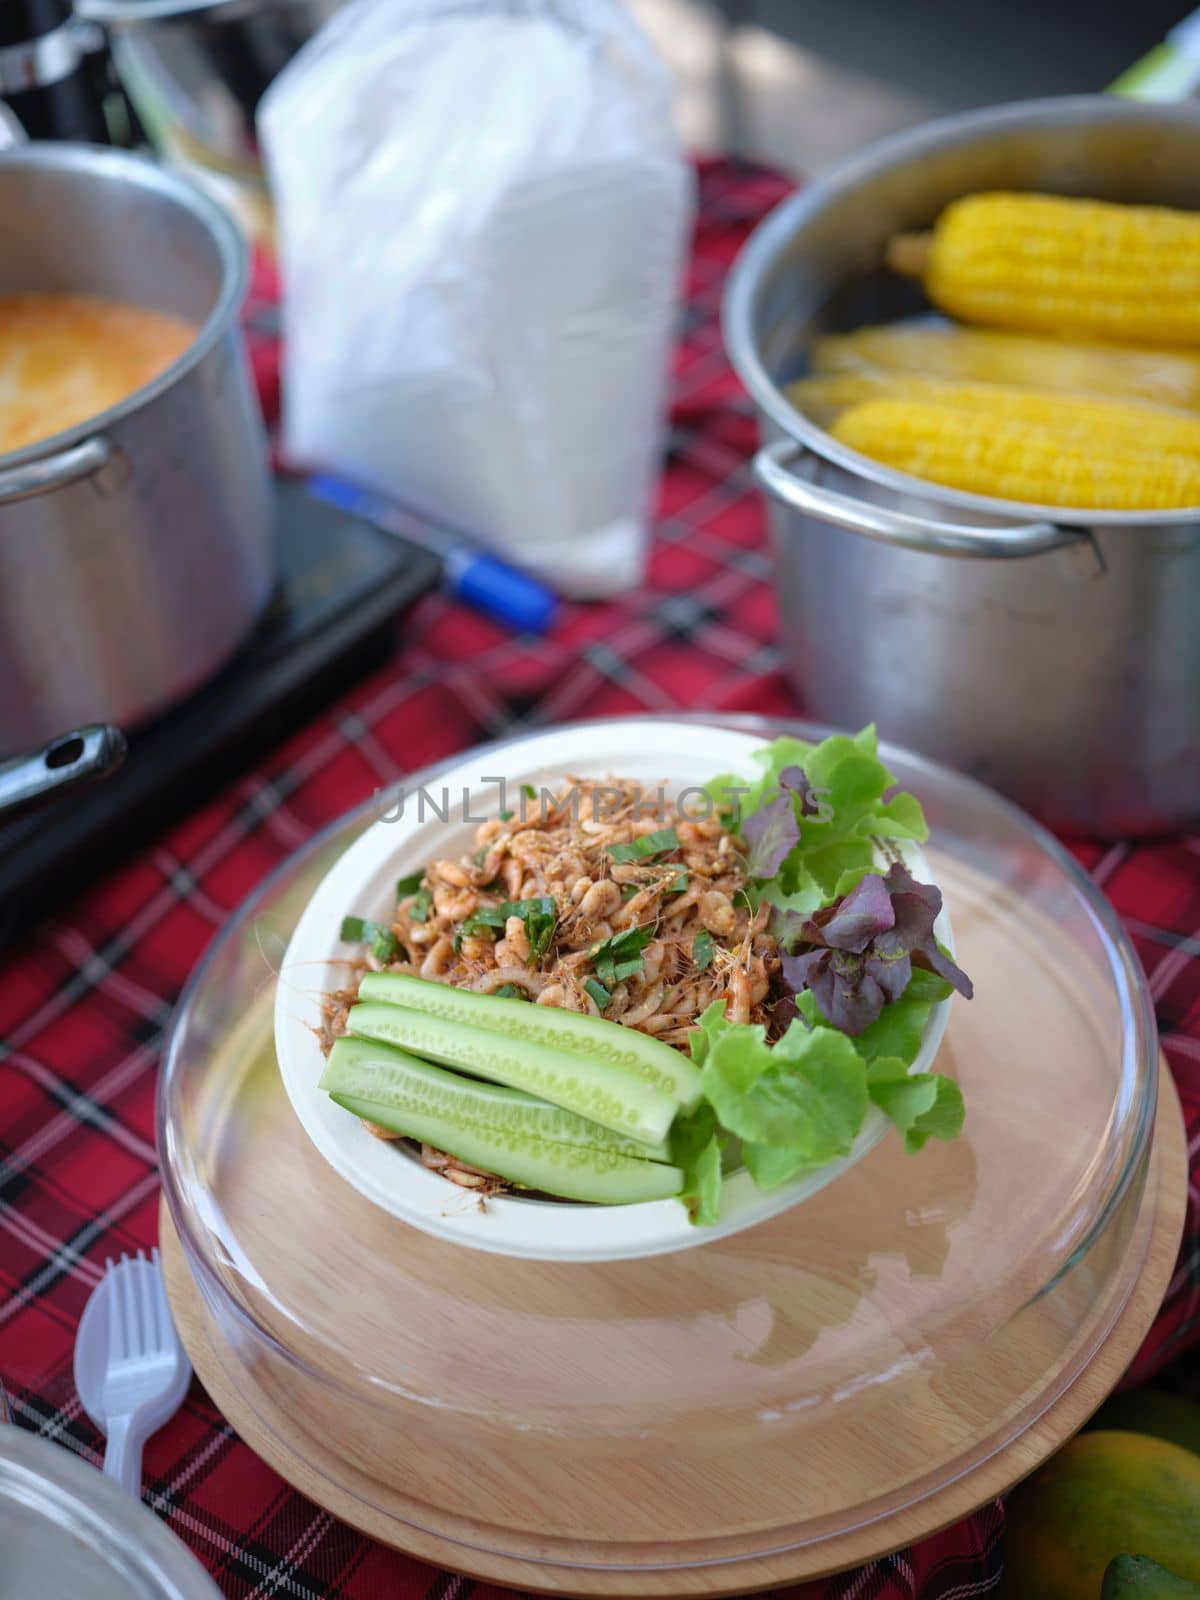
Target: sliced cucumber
<point>460,1118</point>
<point>610,1095</point>
<point>667,1069</point>
<point>391,1078</point>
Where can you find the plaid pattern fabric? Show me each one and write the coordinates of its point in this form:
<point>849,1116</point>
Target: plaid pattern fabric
<point>84,1005</point>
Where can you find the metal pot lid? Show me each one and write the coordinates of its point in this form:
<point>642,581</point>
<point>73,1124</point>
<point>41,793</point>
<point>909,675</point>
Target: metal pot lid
<point>65,1529</point>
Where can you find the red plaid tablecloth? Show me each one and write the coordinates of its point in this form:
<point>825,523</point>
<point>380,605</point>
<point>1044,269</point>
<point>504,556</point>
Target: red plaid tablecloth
<point>84,1004</point>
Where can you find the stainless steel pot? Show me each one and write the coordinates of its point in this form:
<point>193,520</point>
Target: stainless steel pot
<point>1055,657</point>
<point>135,549</point>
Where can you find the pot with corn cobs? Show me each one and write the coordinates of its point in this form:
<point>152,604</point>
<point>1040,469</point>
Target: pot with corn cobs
<point>975,354</point>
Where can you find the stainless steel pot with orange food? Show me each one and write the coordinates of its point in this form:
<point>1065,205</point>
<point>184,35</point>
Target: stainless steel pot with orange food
<point>135,544</point>
<point>1053,654</point>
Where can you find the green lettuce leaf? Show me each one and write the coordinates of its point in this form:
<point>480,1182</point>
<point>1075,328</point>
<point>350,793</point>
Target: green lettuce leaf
<point>836,822</point>
<point>900,817</point>
<point>927,987</point>
<point>711,1024</point>
<point>832,858</point>
<point>897,1032</point>
<point>769,1167</point>
<point>923,1106</point>
<point>807,1094</point>
<point>742,795</point>
<point>794,889</point>
<point>695,1145</point>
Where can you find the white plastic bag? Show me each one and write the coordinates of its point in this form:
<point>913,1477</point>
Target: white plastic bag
<point>482,212</point>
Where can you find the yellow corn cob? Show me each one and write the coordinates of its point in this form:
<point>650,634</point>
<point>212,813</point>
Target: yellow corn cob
<point>994,355</point>
<point>1030,461</point>
<point>1064,266</point>
<point>1171,431</point>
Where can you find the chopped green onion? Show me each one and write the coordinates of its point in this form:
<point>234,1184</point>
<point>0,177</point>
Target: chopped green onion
<point>385,946</point>
<point>677,884</point>
<point>702,949</point>
<point>420,908</point>
<point>383,942</point>
<point>471,929</point>
<point>529,791</point>
<point>621,956</point>
<point>598,992</point>
<point>507,816</point>
<point>409,885</point>
<point>539,916</point>
<point>628,890</point>
<point>650,844</point>
<point>510,991</point>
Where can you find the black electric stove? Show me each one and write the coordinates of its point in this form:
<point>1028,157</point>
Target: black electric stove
<point>342,584</point>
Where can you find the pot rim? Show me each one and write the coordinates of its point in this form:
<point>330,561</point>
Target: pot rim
<point>232,251</point>
<point>778,228</point>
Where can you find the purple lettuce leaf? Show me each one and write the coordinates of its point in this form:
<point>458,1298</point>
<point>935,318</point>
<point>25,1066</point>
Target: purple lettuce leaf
<point>772,834</point>
<point>773,831</point>
<point>858,917</point>
<point>857,955</point>
<point>917,906</point>
<point>848,997</point>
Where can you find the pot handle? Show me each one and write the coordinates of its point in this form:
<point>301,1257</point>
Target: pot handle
<point>51,472</point>
<point>91,752</point>
<point>772,467</point>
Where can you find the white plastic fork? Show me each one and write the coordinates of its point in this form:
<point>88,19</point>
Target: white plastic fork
<point>130,1368</point>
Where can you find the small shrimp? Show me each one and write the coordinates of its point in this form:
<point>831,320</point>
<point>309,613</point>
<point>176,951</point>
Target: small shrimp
<point>376,1132</point>
<point>661,1023</point>
<point>645,1007</point>
<point>560,995</point>
<point>454,904</point>
<point>737,1008</point>
<point>451,872</point>
<point>638,906</point>
<point>517,940</point>
<point>717,914</point>
<point>596,905</point>
<point>438,958</point>
<point>488,869</point>
<point>652,960</point>
<point>700,831</point>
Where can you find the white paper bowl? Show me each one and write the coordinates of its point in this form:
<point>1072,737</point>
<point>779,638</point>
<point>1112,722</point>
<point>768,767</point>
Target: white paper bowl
<point>362,883</point>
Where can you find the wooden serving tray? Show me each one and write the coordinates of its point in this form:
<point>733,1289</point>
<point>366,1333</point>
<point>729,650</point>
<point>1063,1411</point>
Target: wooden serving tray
<point>1129,1299</point>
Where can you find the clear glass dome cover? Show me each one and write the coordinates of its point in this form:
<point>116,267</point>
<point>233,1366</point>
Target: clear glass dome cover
<point>821,1369</point>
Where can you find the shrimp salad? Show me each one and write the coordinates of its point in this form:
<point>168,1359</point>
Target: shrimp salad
<point>769,948</point>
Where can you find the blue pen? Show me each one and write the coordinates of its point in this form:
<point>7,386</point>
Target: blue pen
<point>478,579</point>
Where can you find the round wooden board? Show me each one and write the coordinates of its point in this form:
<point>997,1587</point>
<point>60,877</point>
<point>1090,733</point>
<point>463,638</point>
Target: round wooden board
<point>269,1431</point>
